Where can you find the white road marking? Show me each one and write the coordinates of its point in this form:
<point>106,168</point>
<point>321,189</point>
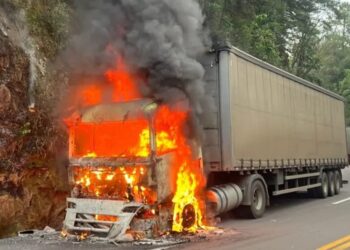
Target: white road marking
<point>341,201</point>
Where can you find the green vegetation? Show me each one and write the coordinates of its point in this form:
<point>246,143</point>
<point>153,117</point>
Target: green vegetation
<point>48,22</point>
<point>310,38</point>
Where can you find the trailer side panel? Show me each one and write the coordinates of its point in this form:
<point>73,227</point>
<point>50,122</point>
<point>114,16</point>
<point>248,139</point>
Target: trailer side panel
<point>271,119</point>
<point>274,118</point>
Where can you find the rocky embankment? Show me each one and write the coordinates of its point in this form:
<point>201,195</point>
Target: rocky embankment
<point>31,193</point>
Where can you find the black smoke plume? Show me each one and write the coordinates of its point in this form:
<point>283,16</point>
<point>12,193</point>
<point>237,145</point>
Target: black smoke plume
<point>161,37</point>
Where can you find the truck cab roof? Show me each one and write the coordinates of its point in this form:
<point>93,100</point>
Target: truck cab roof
<point>136,109</point>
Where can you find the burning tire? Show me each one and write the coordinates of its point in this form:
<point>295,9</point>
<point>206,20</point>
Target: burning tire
<point>189,217</point>
<point>257,197</point>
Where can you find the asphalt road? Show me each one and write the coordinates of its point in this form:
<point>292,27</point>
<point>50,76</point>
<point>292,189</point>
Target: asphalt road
<point>292,222</point>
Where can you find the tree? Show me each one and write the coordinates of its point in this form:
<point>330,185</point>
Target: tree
<point>263,42</point>
<point>344,90</point>
<point>280,32</point>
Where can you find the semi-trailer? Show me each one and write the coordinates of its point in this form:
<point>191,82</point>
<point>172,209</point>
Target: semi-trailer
<point>268,133</point>
<point>272,133</point>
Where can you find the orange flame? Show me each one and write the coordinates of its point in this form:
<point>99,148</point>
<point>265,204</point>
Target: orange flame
<point>92,95</point>
<point>122,183</point>
<point>189,177</point>
<point>82,236</point>
<point>131,138</point>
<point>123,82</point>
<point>185,195</point>
<point>106,218</point>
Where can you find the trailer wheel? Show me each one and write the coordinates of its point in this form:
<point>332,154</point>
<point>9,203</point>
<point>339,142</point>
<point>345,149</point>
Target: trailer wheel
<point>322,191</point>
<point>337,182</point>
<point>257,197</point>
<point>331,183</point>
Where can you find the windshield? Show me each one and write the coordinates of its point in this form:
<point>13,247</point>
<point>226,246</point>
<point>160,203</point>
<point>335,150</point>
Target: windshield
<point>129,138</point>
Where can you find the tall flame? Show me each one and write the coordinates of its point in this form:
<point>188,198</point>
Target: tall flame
<point>124,83</point>
<point>187,185</point>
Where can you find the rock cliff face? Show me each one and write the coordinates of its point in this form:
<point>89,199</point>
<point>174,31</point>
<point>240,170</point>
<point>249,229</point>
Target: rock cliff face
<point>31,193</point>
<point>14,73</point>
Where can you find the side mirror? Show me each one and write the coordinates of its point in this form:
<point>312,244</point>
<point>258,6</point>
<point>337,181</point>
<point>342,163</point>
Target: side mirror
<point>150,108</point>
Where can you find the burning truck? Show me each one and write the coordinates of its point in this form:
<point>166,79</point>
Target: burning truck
<point>137,164</point>
<point>134,169</point>
<point>135,160</point>
<point>131,163</point>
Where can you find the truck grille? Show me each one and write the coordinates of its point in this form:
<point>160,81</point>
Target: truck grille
<point>102,218</point>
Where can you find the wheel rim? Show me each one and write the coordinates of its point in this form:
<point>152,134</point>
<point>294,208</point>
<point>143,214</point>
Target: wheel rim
<point>258,199</point>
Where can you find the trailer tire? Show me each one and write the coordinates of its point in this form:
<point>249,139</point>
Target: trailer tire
<point>331,183</point>
<point>258,202</point>
<point>337,182</point>
<point>322,191</point>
